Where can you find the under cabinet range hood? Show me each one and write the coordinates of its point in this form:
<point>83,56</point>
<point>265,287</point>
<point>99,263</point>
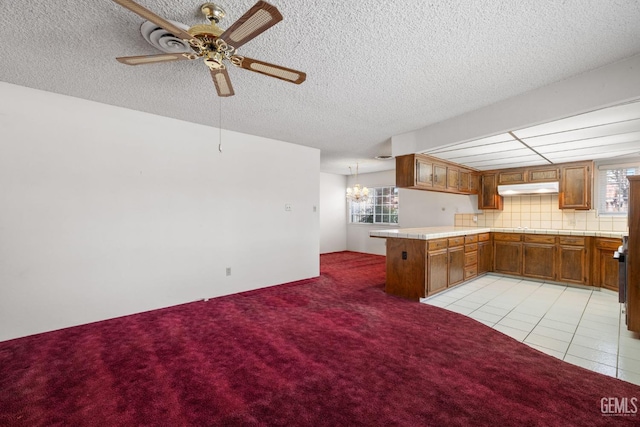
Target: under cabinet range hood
<point>529,188</point>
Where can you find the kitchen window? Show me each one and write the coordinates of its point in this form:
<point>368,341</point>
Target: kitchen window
<point>380,208</point>
<point>613,188</point>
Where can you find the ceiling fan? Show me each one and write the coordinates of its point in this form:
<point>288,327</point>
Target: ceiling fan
<point>216,46</point>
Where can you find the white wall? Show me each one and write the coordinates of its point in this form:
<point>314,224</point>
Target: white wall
<point>333,213</point>
<point>417,208</point>
<point>106,212</point>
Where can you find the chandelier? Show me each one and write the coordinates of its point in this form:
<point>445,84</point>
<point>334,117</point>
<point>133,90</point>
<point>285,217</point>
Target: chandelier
<point>357,193</point>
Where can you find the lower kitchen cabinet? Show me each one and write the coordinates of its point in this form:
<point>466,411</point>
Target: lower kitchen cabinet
<point>572,260</point>
<point>539,261</point>
<point>437,266</point>
<point>507,253</point>
<point>605,268</point>
<point>406,268</point>
<point>485,253</point>
<point>456,265</point>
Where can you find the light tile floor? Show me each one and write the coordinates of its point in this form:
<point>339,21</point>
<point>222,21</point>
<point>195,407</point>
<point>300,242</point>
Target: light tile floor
<point>585,327</point>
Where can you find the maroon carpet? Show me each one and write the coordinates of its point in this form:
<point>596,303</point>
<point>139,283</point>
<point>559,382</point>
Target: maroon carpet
<point>328,351</point>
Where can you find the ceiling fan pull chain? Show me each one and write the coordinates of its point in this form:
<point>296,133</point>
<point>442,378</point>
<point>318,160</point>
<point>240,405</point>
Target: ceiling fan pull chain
<point>220,126</point>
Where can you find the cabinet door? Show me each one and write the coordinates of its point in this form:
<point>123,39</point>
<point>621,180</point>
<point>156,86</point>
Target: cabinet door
<point>575,187</point>
<point>424,173</point>
<point>456,265</point>
<point>437,279</point>
<point>608,269</point>
<point>508,257</point>
<point>538,261</point>
<point>605,268</point>
<point>543,175</point>
<point>511,176</point>
<point>464,181</point>
<point>439,176</point>
<point>572,264</point>
<point>453,178</point>
<point>489,197</point>
<point>485,257</point>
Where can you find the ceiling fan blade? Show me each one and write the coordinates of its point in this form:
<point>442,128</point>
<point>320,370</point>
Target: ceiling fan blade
<point>272,70</point>
<point>223,82</point>
<point>255,21</point>
<point>150,59</point>
<point>150,16</point>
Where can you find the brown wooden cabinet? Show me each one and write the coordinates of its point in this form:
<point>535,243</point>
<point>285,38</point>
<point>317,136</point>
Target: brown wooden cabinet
<point>440,176</point>
<point>423,172</point>
<point>605,268</point>
<point>437,275</point>
<point>485,253</point>
<point>572,260</point>
<point>456,265</point>
<point>510,176</point>
<point>543,174</point>
<point>453,178</point>
<point>539,257</point>
<point>575,185</point>
<point>406,268</point>
<point>488,197</point>
<point>507,253</point>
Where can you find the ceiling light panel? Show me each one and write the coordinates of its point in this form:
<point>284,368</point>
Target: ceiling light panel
<point>599,152</point>
<point>585,133</point>
<point>497,139</point>
<point>602,144</point>
<point>630,111</point>
<point>493,155</point>
<point>489,149</point>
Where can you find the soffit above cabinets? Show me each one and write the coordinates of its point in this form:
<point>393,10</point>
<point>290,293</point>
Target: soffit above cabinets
<point>605,133</point>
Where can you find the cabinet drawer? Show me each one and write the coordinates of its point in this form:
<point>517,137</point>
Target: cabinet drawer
<point>456,241</point>
<point>471,271</point>
<point>470,258</point>
<point>437,244</point>
<point>507,237</point>
<point>572,241</point>
<point>471,247</point>
<point>471,239</point>
<point>483,237</point>
<point>608,244</point>
<point>540,239</point>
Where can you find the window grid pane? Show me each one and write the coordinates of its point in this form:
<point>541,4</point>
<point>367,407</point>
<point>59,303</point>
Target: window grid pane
<point>613,191</point>
<point>381,208</point>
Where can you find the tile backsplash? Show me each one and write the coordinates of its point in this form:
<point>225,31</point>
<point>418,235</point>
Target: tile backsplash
<point>541,212</point>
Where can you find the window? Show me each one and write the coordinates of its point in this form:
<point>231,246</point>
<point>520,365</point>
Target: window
<point>381,208</point>
<point>613,189</point>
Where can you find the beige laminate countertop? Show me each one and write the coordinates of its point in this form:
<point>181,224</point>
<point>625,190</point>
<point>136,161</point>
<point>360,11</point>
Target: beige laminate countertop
<point>428,233</point>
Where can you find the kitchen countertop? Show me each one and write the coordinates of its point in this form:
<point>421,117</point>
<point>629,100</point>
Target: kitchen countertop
<point>428,233</point>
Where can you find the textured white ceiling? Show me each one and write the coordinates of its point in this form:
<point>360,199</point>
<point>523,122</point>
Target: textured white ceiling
<point>374,69</point>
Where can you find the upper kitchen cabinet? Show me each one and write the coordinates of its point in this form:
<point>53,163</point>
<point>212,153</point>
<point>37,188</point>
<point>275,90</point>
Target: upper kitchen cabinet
<point>488,197</point>
<point>423,172</point>
<point>575,185</point>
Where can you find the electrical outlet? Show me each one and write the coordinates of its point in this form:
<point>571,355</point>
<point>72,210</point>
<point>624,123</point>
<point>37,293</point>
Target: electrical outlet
<point>315,208</point>
<point>287,207</point>
<point>228,271</point>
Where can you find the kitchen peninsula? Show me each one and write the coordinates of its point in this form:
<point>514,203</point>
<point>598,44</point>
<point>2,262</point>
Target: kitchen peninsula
<point>424,261</point>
